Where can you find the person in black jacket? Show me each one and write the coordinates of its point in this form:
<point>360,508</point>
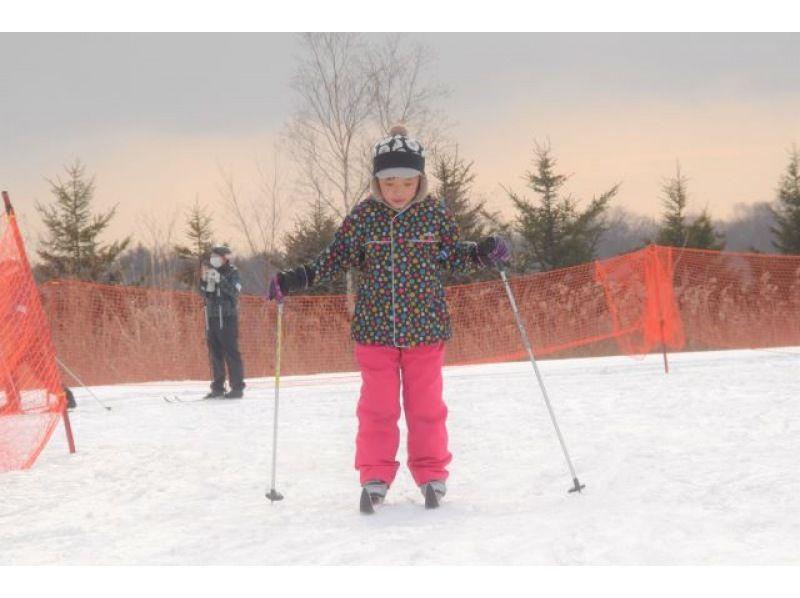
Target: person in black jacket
<point>220,285</point>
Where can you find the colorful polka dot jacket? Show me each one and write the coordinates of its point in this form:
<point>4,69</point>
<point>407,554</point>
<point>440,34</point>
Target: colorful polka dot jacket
<point>401,256</point>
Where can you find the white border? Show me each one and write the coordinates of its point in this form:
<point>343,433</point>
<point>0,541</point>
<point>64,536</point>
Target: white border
<point>399,15</point>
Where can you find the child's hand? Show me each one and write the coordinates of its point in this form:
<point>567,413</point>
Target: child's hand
<point>283,283</point>
<point>493,251</point>
<point>276,289</point>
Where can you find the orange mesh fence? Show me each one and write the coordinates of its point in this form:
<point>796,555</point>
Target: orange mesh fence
<point>31,394</point>
<point>632,304</point>
<point>562,311</point>
<point>109,334</point>
<point>738,300</point>
<point>641,302</point>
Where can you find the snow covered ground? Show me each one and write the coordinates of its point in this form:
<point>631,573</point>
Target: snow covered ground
<point>696,467</point>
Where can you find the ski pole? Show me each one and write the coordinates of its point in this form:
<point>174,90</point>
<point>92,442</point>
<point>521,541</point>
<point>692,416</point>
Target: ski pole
<point>273,494</point>
<point>577,487</point>
<point>79,381</point>
<point>219,306</point>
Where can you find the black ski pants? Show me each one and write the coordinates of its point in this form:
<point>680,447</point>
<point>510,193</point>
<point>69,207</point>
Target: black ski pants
<point>223,349</point>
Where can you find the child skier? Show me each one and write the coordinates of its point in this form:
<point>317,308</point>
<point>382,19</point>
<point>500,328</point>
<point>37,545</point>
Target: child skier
<point>400,239</point>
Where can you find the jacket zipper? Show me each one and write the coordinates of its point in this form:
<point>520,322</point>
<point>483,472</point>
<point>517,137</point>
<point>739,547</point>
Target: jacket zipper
<point>391,259</point>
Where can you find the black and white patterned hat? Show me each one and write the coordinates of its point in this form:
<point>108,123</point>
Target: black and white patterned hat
<point>398,155</point>
<point>222,250</point>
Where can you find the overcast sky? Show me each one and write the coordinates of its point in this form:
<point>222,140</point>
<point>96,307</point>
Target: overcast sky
<point>155,116</point>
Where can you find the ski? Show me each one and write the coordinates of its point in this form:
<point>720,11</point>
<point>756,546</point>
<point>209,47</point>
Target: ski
<point>177,399</point>
<point>367,502</point>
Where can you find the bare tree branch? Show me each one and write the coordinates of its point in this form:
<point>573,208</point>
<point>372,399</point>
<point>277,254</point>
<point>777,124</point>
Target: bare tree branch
<point>258,217</point>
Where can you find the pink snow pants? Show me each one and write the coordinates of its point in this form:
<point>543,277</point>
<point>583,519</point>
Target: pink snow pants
<point>420,370</point>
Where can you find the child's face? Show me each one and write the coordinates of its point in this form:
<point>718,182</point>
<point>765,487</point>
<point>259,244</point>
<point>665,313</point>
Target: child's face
<point>398,192</point>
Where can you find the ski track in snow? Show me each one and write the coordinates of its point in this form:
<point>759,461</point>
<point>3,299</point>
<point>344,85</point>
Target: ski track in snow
<point>695,467</point>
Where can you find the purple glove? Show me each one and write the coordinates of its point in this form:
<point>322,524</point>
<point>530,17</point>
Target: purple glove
<point>283,283</point>
<point>275,292</point>
<point>493,251</point>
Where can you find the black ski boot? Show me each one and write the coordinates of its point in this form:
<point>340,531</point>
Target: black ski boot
<point>433,492</point>
<point>372,493</point>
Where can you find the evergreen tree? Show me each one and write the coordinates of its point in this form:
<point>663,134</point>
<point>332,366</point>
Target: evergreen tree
<point>674,230</point>
<point>72,247</point>
<point>703,235</point>
<point>311,235</point>
<point>554,232</point>
<point>455,185</point>
<point>474,221</point>
<point>200,234</point>
<point>787,212</point>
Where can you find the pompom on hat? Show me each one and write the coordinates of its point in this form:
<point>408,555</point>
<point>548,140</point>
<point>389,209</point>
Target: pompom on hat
<point>398,155</point>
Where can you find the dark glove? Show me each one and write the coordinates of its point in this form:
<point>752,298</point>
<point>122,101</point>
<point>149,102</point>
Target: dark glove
<point>493,251</point>
<point>283,283</point>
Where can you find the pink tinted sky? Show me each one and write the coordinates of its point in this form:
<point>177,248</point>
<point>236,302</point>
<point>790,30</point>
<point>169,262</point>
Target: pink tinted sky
<point>154,117</point>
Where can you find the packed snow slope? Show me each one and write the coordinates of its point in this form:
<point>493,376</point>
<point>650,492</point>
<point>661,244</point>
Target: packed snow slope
<point>699,466</point>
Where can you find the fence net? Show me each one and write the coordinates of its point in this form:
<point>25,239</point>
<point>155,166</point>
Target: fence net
<point>31,394</point>
<point>655,299</point>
